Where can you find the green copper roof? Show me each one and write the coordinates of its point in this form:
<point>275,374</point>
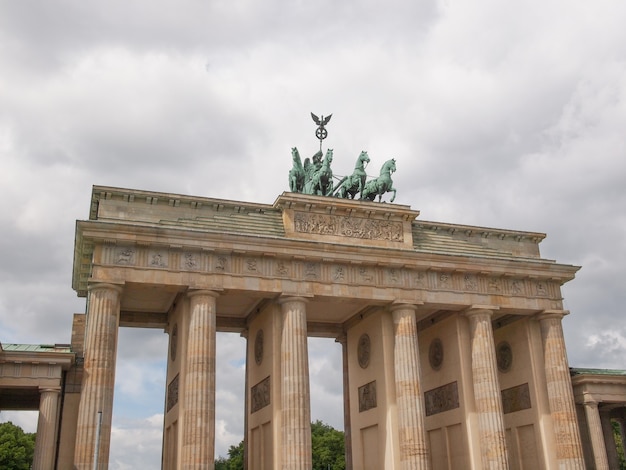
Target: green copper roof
<point>37,348</point>
<point>582,371</point>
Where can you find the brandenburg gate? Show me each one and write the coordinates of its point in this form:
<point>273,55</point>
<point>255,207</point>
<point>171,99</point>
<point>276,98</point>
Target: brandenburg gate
<point>453,351</point>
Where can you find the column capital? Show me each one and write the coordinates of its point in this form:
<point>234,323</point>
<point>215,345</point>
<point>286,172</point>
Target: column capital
<point>50,389</point>
<point>552,314</point>
<point>480,310</point>
<point>342,339</point>
<point>284,298</point>
<point>404,305</point>
<point>210,292</point>
<point>94,286</point>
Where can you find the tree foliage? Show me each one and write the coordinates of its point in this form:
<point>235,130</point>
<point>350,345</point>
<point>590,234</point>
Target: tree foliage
<point>619,445</point>
<point>328,448</point>
<point>17,448</point>
<point>234,460</point>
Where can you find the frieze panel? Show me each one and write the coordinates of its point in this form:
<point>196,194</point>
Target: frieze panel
<point>470,282</point>
<point>339,273</point>
<point>419,279</point>
<point>393,276</point>
<point>260,395</point>
<point>190,261</point>
<point>172,393</point>
<point>444,281</point>
<point>158,258</point>
<point>350,227</point>
<point>440,399</point>
<point>221,263</point>
<point>311,271</point>
<point>516,399</point>
<point>125,256</point>
<point>367,396</point>
<point>282,268</point>
<point>366,275</point>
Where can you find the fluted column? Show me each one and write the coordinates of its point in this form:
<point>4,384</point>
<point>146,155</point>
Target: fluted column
<point>596,435</point>
<point>45,442</point>
<point>295,391</point>
<point>198,440</point>
<point>95,412</point>
<point>487,390</point>
<point>347,426</point>
<point>414,454</point>
<point>569,452</point>
<point>609,438</point>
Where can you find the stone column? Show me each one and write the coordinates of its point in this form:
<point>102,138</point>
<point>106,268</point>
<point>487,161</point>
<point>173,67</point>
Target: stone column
<point>347,427</point>
<point>414,454</point>
<point>596,435</point>
<point>45,442</point>
<point>569,451</point>
<point>295,391</point>
<point>95,411</point>
<point>198,404</point>
<point>487,390</point>
<point>609,438</point>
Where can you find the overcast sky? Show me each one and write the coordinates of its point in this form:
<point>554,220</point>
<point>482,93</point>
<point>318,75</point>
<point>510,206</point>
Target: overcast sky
<point>502,114</point>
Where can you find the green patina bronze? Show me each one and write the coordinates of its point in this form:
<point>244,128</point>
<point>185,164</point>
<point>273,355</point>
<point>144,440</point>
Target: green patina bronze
<point>382,184</point>
<point>316,177</point>
<point>349,186</point>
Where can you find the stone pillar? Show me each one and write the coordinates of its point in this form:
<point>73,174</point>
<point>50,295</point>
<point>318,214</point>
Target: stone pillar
<point>295,391</point>
<point>487,390</point>
<point>246,408</point>
<point>198,404</point>
<point>347,426</point>
<point>596,435</point>
<point>414,452</point>
<point>609,438</point>
<point>95,411</point>
<point>45,442</point>
<point>569,451</point>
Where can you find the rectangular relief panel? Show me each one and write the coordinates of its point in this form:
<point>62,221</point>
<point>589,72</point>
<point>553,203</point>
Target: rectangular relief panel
<point>260,395</point>
<point>516,399</point>
<point>440,399</point>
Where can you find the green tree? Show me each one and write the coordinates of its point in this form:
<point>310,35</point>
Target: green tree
<point>17,448</point>
<point>327,444</point>
<point>619,444</point>
<point>234,460</point>
<point>328,447</point>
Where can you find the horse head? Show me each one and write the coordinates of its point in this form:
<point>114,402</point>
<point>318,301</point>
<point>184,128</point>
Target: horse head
<point>388,167</point>
<point>363,160</point>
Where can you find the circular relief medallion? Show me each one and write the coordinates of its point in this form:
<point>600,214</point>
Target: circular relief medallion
<point>258,347</point>
<point>435,354</point>
<point>364,350</point>
<point>174,342</point>
<point>504,356</point>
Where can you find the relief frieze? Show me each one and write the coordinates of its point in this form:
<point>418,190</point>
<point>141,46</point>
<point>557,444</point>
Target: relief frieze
<point>328,271</point>
<point>440,399</point>
<point>367,396</point>
<point>158,259</point>
<point>516,399</point>
<point>125,256</point>
<point>350,227</point>
<point>172,393</point>
<point>260,395</point>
